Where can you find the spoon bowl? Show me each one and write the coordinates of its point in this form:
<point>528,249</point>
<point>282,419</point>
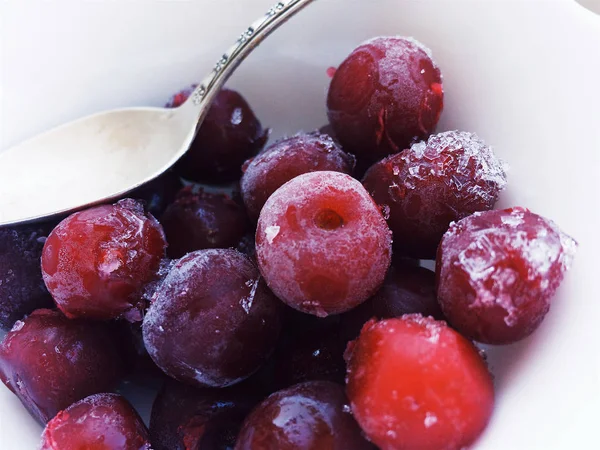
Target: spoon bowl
<point>104,156</point>
<point>98,158</point>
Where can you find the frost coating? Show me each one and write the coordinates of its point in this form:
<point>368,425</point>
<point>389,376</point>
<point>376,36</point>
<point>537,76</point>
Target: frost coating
<point>426,187</point>
<point>389,44</point>
<point>430,420</point>
<point>18,325</point>
<point>498,271</point>
<point>212,321</point>
<point>271,233</point>
<point>319,270</point>
<point>463,160</point>
<point>246,302</point>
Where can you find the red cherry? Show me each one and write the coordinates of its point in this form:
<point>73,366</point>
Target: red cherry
<point>416,384</point>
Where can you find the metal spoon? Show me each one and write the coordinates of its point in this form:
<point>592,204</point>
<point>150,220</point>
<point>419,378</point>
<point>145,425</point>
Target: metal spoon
<point>106,155</point>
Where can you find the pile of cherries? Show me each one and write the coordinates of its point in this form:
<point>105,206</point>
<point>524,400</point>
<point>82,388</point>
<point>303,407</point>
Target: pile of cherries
<point>286,310</point>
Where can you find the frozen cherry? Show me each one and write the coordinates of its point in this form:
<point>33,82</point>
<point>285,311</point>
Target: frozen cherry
<point>497,272</point>
<point>385,95</point>
<point>96,262</point>
<point>322,244</point>
<point>186,418</point>
<point>212,322</point>
<point>228,136</point>
<point>406,290</point>
<point>433,183</point>
<point>158,193</point>
<point>98,422</point>
<point>50,362</point>
<point>414,383</point>
<point>308,416</point>
<point>200,219</point>
<point>286,159</point>
<point>21,286</point>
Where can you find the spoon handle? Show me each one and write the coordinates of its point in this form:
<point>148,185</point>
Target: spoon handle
<point>248,40</point>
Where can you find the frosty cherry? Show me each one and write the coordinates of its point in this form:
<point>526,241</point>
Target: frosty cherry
<point>497,272</point>
<point>96,262</point>
<point>322,244</point>
<point>433,183</point>
<point>286,159</point>
<point>385,95</point>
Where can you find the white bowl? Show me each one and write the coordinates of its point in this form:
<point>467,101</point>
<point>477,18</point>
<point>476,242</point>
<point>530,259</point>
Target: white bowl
<point>524,75</point>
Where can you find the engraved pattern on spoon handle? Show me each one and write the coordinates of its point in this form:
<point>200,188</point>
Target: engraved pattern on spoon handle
<point>248,40</point>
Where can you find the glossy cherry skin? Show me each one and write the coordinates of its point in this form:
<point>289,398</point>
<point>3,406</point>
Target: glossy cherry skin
<point>50,362</point>
<point>416,384</point>
<point>180,97</point>
<point>307,349</point>
<point>98,422</point>
<point>308,416</point>
<point>96,263</point>
<point>184,417</point>
<point>229,134</point>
